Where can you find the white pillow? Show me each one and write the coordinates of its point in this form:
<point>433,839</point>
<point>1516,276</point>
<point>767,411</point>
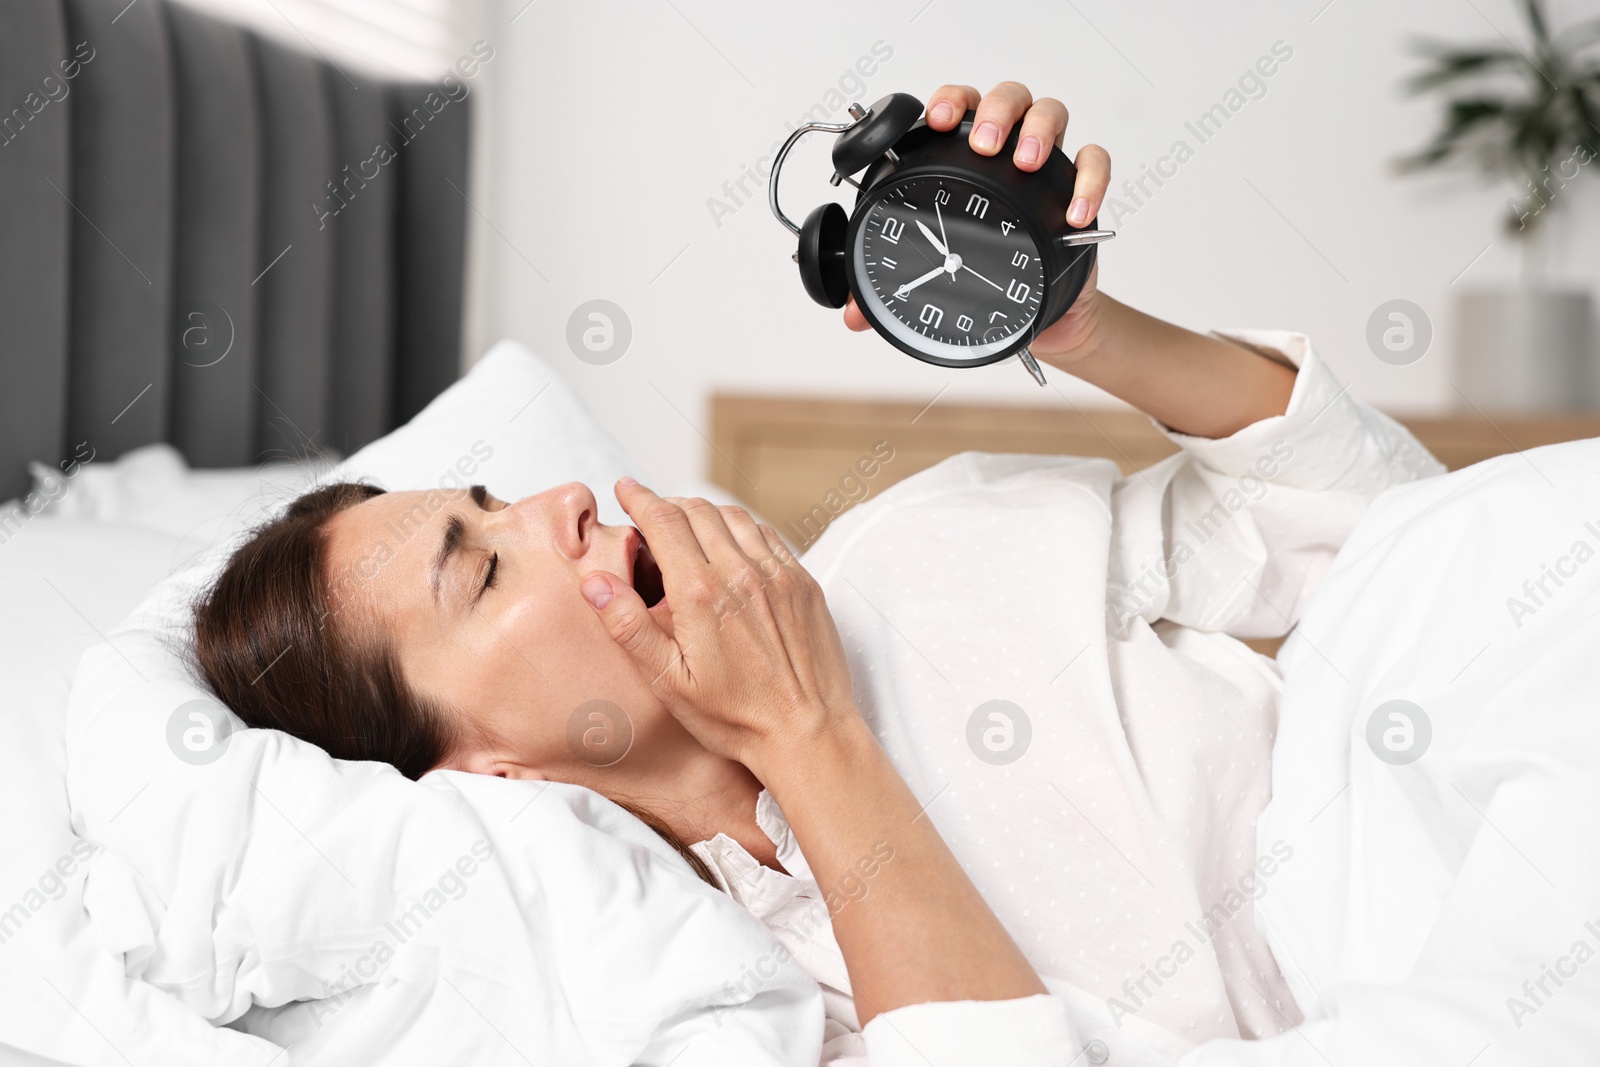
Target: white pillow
<point>267,875</point>
<point>153,488</point>
<point>513,424</point>
<point>63,582</point>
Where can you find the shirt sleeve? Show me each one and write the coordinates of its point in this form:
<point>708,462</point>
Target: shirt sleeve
<point>1233,534</point>
<point>1026,1032</point>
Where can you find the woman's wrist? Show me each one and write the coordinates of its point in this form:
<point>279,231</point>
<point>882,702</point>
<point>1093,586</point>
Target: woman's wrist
<point>1198,384</point>
<point>1103,338</point>
<point>797,759</point>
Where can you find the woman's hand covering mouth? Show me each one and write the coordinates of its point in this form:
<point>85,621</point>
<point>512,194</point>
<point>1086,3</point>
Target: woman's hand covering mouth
<point>753,667</point>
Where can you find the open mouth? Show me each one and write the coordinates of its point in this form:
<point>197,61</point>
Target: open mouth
<point>647,576</point>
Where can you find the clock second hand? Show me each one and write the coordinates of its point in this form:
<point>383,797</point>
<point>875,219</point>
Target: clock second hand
<point>967,268</point>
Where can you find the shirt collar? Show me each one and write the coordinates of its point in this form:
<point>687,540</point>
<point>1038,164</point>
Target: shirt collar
<point>741,874</point>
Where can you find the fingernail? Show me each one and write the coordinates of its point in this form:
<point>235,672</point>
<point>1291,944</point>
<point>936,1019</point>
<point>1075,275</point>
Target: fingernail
<point>597,591</point>
<point>627,479</point>
<point>942,112</point>
<point>1028,150</point>
<point>986,136</point>
<point>1078,213</point>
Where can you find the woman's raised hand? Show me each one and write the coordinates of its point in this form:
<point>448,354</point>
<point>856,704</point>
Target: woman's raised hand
<point>753,668</point>
<point>1044,123</point>
<point>752,665</point>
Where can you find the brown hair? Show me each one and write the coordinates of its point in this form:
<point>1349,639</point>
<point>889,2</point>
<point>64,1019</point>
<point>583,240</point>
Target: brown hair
<point>269,642</point>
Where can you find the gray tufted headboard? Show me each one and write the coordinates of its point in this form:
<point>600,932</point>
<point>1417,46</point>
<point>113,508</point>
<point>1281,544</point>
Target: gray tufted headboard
<point>212,239</point>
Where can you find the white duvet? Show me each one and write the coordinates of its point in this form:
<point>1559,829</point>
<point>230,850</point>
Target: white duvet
<point>1445,911</point>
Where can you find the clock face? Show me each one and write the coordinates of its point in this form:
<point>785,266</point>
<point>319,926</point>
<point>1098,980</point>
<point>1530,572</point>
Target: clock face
<point>947,269</point>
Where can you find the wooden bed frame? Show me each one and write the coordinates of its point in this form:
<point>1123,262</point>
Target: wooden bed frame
<point>801,462</point>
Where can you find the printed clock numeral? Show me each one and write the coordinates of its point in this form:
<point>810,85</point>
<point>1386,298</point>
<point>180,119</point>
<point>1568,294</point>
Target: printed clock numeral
<point>964,324</point>
<point>942,196</point>
<point>1005,228</point>
<point>931,315</point>
<point>977,205</point>
<point>1018,291</point>
<point>1020,260</point>
<point>892,229</point>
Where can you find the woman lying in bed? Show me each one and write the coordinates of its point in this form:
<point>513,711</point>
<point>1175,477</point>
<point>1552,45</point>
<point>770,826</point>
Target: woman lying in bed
<point>1123,832</point>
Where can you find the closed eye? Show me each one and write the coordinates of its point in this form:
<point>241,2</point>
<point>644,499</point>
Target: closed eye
<point>489,578</point>
<point>480,496</point>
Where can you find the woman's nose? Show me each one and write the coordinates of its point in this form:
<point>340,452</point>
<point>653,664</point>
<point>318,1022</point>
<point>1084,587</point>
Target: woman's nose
<point>574,514</point>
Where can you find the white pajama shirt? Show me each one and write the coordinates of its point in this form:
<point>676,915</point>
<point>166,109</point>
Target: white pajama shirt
<point>1048,652</point>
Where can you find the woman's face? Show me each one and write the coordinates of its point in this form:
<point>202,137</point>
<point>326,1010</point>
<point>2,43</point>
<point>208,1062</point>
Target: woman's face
<point>480,601</point>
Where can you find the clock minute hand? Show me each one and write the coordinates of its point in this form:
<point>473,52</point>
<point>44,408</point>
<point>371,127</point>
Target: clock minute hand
<point>934,241</point>
<point>928,277</point>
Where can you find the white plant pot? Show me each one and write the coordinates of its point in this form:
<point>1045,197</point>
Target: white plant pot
<point>1527,349</point>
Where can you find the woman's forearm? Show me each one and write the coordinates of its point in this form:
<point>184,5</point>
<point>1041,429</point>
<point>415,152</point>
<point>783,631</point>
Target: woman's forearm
<point>1193,383</point>
<point>911,925</point>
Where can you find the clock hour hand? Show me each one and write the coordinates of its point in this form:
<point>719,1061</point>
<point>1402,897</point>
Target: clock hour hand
<point>934,241</point>
<point>928,277</point>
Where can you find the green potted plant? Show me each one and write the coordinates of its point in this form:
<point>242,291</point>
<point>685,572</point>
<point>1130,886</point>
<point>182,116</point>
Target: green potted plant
<point>1527,115</point>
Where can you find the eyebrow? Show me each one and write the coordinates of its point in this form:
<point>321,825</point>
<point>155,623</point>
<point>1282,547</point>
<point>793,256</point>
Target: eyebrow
<point>455,531</point>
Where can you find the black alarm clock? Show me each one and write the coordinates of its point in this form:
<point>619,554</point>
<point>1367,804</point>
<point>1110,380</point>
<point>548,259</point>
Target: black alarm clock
<point>956,258</point>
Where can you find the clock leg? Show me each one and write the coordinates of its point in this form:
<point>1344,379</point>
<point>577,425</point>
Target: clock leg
<point>1032,365</point>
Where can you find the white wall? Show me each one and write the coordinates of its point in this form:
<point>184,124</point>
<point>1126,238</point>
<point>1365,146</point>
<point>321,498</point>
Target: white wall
<point>615,122</point>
